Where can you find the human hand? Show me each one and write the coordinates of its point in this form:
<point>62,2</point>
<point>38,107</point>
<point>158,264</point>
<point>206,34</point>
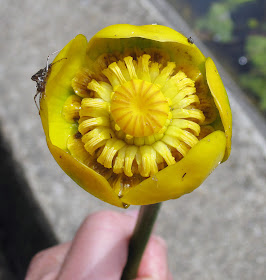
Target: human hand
<point>99,252</point>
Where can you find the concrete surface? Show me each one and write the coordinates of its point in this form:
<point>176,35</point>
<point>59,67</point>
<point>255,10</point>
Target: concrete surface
<point>218,231</point>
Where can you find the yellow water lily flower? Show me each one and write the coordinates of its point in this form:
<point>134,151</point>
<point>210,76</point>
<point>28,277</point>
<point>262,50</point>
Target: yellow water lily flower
<point>137,115</point>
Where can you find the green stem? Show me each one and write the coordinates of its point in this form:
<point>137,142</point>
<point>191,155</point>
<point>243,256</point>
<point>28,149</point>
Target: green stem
<point>147,217</point>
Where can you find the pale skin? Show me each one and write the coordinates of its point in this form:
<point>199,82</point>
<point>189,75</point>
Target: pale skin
<point>99,251</point>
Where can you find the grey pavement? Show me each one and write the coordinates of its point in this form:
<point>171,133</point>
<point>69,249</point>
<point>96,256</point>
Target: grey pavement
<point>216,232</point>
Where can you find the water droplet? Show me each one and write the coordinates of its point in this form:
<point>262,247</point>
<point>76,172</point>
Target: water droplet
<point>154,178</point>
<point>242,60</point>
<point>125,205</point>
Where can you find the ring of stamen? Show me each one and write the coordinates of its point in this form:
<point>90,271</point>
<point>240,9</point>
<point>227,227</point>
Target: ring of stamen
<point>138,120</point>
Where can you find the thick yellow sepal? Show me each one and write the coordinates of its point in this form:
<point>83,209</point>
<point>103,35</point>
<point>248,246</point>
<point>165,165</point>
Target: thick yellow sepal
<point>84,176</point>
<point>57,130</point>
<point>221,101</point>
<point>119,37</point>
<point>182,177</point>
<point>58,89</point>
<point>153,32</point>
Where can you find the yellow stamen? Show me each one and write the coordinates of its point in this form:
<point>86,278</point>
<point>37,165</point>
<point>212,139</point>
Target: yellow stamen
<point>143,72</point>
<point>120,161</point>
<point>86,125</point>
<point>111,148</point>
<point>175,143</point>
<point>131,152</point>
<point>182,135</point>
<point>96,138</point>
<point>185,124</point>
<point>71,108</point>
<point>188,114</point>
<point>148,164</point>
<point>103,89</point>
<point>93,107</point>
<point>164,151</point>
<point>118,73</point>
<point>77,150</point>
<point>80,82</point>
<point>130,66</point>
<point>165,74</point>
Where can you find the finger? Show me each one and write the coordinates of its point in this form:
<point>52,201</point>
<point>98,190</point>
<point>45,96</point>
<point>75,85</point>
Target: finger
<point>170,276</point>
<point>99,249</point>
<point>47,262</point>
<point>154,261</point>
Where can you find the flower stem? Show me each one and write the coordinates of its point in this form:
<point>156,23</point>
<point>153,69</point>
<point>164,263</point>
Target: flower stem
<point>147,217</point>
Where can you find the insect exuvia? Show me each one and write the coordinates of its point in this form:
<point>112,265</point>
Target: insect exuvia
<point>40,78</point>
<point>190,40</point>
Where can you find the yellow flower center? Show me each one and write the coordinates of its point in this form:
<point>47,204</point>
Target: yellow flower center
<point>136,116</point>
<point>139,108</point>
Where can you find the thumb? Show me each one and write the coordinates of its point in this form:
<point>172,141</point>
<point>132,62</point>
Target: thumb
<point>154,264</point>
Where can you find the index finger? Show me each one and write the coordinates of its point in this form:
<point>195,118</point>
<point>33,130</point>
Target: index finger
<point>99,249</point>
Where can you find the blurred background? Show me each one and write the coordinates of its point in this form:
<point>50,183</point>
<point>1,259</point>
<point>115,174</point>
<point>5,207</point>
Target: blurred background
<point>236,31</point>
<point>216,232</point>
